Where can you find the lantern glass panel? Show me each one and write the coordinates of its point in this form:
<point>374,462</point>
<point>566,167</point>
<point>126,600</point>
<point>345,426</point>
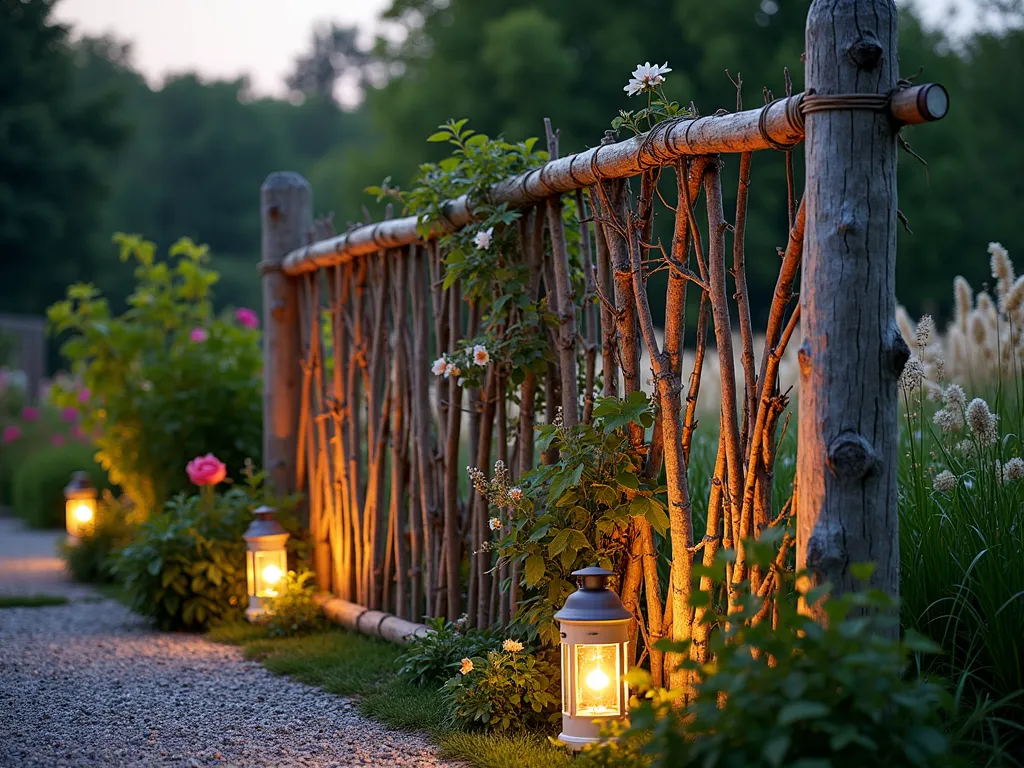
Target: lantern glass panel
<point>266,572</point>
<point>597,680</point>
<point>80,516</point>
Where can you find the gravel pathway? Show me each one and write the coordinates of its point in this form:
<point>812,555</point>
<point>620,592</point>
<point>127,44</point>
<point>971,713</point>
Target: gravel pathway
<point>89,684</point>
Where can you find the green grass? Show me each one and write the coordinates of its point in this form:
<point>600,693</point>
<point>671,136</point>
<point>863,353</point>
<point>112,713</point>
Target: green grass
<point>498,751</point>
<point>365,669</point>
<point>33,601</point>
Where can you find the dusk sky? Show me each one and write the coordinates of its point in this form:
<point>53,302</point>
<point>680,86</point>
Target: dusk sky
<point>261,38</point>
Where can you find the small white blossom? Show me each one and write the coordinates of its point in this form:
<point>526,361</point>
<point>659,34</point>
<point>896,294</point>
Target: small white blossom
<point>480,355</point>
<point>646,78</point>
<point>515,493</point>
<point>944,482</point>
<point>982,421</point>
<point>1013,469</point>
<point>494,523</point>
<point>451,369</point>
<point>482,239</point>
<point>439,366</point>
<point>948,420</point>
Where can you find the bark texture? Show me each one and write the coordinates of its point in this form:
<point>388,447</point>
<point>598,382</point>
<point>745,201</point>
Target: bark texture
<point>847,460</point>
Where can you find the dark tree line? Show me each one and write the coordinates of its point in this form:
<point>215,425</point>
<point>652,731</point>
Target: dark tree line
<point>87,147</point>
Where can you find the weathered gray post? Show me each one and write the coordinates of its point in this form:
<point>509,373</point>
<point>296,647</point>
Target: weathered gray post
<point>286,211</point>
<point>852,353</point>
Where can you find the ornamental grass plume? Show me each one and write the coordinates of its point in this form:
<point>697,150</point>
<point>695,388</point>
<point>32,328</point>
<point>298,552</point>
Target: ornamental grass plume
<point>944,482</point>
<point>984,341</point>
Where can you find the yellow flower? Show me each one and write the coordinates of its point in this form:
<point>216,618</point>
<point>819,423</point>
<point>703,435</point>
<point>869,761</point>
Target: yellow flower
<point>512,646</point>
<point>467,667</point>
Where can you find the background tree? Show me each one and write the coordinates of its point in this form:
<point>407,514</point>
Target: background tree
<point>56,144</point>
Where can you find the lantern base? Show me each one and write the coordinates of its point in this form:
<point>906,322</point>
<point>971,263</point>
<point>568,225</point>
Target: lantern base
<point>256,613</point>
<point>576,743</point>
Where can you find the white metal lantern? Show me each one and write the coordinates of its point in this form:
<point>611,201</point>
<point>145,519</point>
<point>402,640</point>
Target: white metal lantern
<point>80,506</point>
<point>594,627</point>
<point>266,561</point>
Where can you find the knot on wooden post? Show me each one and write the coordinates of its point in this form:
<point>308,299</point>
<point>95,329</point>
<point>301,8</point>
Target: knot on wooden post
<point>851,456</point>
<point>895,352</point>
<point>865,51</point>
<point>803,357</point>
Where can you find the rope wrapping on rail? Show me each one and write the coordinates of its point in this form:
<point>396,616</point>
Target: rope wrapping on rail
<point>808,102</point>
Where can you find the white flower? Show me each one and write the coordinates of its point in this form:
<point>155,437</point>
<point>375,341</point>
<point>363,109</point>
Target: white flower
<point>944,482</point>
<point>480,355</point>
<point>982,421</point>
<point>948,420</point>
<point>515,493</point>
<point>646,78</point>
<point>439,366</point>
<point>1013,469</point>
<point>451,369</point>
<point>512,646</point>
<point>482,239</point>
<point>953,397</point>
<point>494,523</point>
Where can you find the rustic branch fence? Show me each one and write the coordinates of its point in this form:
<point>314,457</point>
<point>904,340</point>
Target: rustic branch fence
<point>354,418</point>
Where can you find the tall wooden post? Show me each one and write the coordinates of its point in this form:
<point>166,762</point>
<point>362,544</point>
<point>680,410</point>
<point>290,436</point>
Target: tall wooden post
<point>852,353</point>
<point>286,211</point>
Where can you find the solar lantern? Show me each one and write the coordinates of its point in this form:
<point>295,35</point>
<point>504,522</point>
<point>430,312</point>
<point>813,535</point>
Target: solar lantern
<point>80,506</point>
<point>266,562</point>
<point>594,627</point>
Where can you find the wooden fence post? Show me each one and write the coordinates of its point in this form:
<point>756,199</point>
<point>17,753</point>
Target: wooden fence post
<point>286,212</point>
<point>852,354</point>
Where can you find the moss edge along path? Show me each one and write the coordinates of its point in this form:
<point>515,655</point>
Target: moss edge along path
<point>87,683</point>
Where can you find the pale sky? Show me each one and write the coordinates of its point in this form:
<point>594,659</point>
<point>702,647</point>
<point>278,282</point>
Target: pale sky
<point>260,38</point>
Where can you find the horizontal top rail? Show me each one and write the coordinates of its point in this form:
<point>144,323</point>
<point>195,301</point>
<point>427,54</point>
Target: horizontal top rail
<point>777,125</point>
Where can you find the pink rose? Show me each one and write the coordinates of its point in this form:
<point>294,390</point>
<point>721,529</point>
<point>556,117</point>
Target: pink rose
<point>57,440</point>
<point>84,395</point>
<point>70,415</point>
<point>247,318</point>
<point>198,335</point>
<point>11,433</point>
<point>28,413</point>
<point>206,470</point>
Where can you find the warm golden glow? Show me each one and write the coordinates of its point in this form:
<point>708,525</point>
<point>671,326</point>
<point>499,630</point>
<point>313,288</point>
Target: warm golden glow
<point>597,680</point>
<point>271,575</point>
<point>80,517</point>
<point>598,686</point>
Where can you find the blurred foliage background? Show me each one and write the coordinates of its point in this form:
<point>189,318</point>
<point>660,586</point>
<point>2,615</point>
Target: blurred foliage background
<point>87,148</point>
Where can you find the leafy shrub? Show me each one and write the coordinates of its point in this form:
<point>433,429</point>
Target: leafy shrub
<point>295,612</point>
<point>434,658</point>
<point>40,480</point>
<point>505,690</point>
<point>802,694</point>
<point>91,559</point>
<point>185,569</point>
<point>575,512</point>
<point>169,380</point>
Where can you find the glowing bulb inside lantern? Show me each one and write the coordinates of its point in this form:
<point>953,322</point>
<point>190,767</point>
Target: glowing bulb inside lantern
<point>272,574</point>
<point>83,513</point>
<point>597,680</point>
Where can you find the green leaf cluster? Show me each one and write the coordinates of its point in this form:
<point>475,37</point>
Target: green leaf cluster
<point>433,658</point>
<point>160,398</point>
<point>505,691</point>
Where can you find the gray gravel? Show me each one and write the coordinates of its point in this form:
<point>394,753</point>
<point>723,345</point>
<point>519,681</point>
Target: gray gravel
<point>88,684</point>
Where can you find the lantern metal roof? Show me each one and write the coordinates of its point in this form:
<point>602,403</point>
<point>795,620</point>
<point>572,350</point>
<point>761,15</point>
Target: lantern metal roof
<point>80,486</point>
<point>593,601</point>
<point>263,525</point>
